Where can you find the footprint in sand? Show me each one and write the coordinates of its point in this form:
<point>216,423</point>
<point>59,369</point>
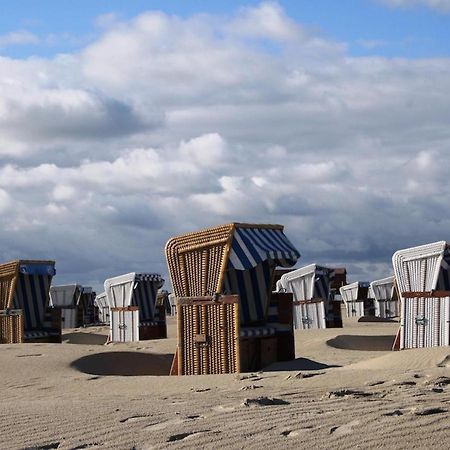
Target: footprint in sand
<point>298,432</point>
<point>344,429</point>
<point>182,436</point>
<point>396,412</point>
<point>429,411</point>
<point>445,362</point>
<point>348,392</point>
<point>168,423</point>
<point>264,401</point>
<point>133,419</point>
<point>221,408</point>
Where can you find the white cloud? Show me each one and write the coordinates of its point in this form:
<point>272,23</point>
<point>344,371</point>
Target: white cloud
<point>438,5</point>
<point>21,37</point>
<point>165,124</point>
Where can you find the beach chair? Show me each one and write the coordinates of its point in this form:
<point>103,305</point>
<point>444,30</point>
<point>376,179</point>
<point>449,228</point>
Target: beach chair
<point>24,288</point>
<point>86,308</point>
<point>76,303</point>
<point>422,275</point>
<point>314,306</point>
<point>356,299</point>
<point>132,301</point>
<point>385,298</point>
<point>228,320</point>
<point>101,302</point>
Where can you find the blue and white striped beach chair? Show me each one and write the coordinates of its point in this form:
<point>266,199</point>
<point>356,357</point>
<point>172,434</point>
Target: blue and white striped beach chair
<point>139,290</point>
<point>29,292</point>
<point>313,299</point>
<point>233,259</point>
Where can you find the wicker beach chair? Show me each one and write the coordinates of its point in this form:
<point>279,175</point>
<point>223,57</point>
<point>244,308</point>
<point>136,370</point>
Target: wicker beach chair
<point>127,292</point>
<point>422,275</point>
<point>228,319</point>
<point>356,299</point>
<point>314,305</point>
<point>385,297</point>
<point>24,301</point>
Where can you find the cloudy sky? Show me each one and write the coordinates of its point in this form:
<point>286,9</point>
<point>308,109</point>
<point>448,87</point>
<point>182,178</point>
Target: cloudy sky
<point>124,123</point>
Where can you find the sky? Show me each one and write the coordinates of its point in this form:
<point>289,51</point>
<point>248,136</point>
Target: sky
<point>125,123</point>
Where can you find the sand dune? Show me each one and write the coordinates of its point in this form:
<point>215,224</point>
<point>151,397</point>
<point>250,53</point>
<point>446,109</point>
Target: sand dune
<point>344,390</point>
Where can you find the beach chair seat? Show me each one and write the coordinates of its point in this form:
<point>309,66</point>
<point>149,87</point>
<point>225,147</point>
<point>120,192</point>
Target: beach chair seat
<point>422,275</point>
<point>232,261</point>
<point>138,290</point>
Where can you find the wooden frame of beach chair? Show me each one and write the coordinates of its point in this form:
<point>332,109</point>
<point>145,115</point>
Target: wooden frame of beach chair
<point>24,286</point>
<point>422,275</point>
<point>385,297</point>
<point>139,290</point>
<point>356,298</point>
<point>313,299</point>
<point>233,259</point>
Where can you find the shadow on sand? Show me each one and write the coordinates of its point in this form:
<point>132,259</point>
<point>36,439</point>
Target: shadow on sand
<point>366,343</point>
<point>298,364</point>
<point>84,338</point>
<point>124,364</point>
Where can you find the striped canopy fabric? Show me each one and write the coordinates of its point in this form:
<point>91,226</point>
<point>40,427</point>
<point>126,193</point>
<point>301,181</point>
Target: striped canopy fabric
<point>134,289</point>
<point>252,246</point>
<point>354,291</point>
<point>255,253</point>
<point>423,268</point>
<point>308,282</point>
<point>65,295</point>
<point>101,301</point>
<point>32,291</point>
<point>382,289</point>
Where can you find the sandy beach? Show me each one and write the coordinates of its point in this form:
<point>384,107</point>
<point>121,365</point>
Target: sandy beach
<point>345,389</point>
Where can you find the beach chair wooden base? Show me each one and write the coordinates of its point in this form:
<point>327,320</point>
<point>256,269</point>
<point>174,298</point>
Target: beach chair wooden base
<point>11,326</point>
<point>208,335</point>
<point>425,319</point>
<point>334,316</point>
<point>148,332</point>
<point>124,325</point>
<point>257,353</point>
<point>50,332</point>
<point>211,341</point>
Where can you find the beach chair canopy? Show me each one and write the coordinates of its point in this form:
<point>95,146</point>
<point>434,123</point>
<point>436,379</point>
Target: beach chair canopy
<point>134,289</point>
<point>354,291</point>
<point>308,282</point>
<point>382,289</point>
<point>423,268</point>
<point>65,295</point>
<point>31,289</point>
<point>235,258</point>
<point>101,301</point>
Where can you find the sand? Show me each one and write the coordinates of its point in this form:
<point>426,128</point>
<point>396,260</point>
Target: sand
<point>346,389</point>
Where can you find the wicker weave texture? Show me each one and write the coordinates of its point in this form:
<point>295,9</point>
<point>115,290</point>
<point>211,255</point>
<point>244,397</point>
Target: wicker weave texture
<point>208,336</point>
<point>197,261</point>
<point>11,327</point>
<point>8,277</point>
